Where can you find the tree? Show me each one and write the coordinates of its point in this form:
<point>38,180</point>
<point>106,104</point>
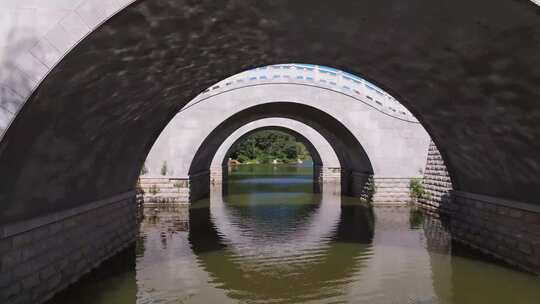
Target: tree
<point>417,190</point>
<point>268,145</point>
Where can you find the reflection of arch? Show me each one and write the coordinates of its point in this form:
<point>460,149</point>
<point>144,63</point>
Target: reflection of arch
<point>353,159</point>
<point>321,210</point>
<point>339,257</point>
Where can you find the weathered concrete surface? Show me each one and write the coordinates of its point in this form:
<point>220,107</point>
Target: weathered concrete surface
<point>468,71</point>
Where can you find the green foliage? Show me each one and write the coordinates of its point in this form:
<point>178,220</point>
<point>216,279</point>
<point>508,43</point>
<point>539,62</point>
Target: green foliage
<point>164,168</point>
<point>369,191</point>
<point>268,145</point>
<point>416,189</point>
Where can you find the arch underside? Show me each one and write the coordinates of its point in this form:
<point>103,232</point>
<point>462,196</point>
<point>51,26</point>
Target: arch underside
<point>466,74</point>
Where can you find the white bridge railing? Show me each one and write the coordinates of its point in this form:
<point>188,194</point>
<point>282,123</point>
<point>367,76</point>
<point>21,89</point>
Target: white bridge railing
<point>315,75</point>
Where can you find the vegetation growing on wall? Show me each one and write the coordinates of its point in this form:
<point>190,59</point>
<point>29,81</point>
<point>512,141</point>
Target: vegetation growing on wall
<point>269,146</point>
<point>154,190</point>
<point>417,190</point>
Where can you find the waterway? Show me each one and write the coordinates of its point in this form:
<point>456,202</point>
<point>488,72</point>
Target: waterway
<point>270,236</point>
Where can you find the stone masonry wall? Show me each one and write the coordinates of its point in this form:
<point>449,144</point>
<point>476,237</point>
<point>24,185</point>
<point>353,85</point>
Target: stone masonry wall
<point>329,175</point>
<point>43,256</point>
<point>164,190</point>
<point>504,229</point>
<point>169,190</point>
<point>436,181</point>
<point>391,191</point>
<point>507,230</point>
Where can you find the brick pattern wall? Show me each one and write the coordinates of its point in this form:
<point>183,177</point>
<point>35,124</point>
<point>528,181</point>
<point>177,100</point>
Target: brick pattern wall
<point>329,175</point>
<point>509,233</point>
<point>217,175</point>
<point>37,263</point>
<point>506,230</point>
<point>171,191</point>
<point>391,191</point>
<point>164,190</point>
<point>436,181</point>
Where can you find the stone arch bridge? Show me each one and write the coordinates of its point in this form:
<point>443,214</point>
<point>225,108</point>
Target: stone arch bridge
<point>87,86</point>
<point>388,139</point>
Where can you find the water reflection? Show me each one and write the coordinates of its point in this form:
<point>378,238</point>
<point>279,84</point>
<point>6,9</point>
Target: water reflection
<point>290,257</point>
<point>285,243</point>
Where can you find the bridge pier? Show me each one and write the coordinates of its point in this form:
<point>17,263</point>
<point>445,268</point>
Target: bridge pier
<point>42,256</point>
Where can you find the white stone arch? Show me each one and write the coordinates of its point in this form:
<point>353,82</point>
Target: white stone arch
<point>35,36</point>
<point>330,161</point>
<point>397,148</point>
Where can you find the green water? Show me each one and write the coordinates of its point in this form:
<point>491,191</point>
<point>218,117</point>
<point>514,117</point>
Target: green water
<point>270,236</point>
